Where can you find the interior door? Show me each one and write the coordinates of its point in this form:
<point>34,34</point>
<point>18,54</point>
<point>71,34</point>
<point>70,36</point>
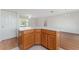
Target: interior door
<point>0,24</point>
<point>9,24</point>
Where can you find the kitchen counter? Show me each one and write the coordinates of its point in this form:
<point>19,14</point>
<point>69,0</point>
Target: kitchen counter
<point>24,28</point>
<point>48,28</point>
<point>27,28</point>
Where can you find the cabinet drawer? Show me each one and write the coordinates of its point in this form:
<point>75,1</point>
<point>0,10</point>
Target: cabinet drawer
<point>44,31</point>
<point>51,32</point>
<point>28,31</point>
<point>37,31</point>
<point>29,39</point>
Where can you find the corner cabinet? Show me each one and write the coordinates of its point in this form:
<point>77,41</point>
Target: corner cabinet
<point>50,39</point>
<point>26,39</point>
<point>46,38</point>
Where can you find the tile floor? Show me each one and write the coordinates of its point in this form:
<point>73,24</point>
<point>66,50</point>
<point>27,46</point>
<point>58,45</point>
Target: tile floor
<point>36,47</point>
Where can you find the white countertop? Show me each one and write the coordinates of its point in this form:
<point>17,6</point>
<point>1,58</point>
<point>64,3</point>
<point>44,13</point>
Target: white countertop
<point>24,28</point>
<point>27,28</point>
<point>48,28</point>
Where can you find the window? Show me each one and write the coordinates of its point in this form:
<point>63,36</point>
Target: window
<point>24,22</point>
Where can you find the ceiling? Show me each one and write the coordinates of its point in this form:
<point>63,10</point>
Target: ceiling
<point>41,12</point>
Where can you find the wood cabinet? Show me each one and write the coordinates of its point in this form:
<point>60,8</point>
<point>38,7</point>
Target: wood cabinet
<point>50,39</point>
<point>51,42</point>
<point>26,39</point>
<point>20,41</point>
<point>37,36</point>
<point>46,38</point>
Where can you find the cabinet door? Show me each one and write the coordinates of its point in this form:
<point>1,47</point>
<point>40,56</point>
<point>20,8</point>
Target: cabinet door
<point>51,42</point>
<point>25,41</point>
<point>20,40</point>
<point>28,40</point>
<point>37,36</point>
<point>31,38</point>
<point>44,40</point>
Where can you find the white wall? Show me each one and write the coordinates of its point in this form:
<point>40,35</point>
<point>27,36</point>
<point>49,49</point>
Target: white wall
<point>39,22</point>
<point>8,24</point>
<point>68,22</point>
<point>65,22</point>
<point>35,23</point>
<point>0,24</point>
<point>32,22</point>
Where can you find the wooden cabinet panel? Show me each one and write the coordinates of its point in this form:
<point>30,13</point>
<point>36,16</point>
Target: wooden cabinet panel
<point>28,31</point>
<point>47,38</point>
<point>29,40</point>
<point>44,40</point>
<point>26,39</point>
<point>37,36</point>
<point>32,38</point>
<point>53,33</point>
<point>51,42</point>
<point>20,41</point>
